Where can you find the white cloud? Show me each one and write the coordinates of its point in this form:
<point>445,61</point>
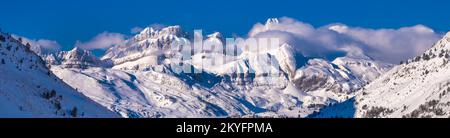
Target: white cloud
<point>102,41</point>
<point>394,44</point>
<point>41,46</point>
<point>136,30</point>
<point>389,45</point>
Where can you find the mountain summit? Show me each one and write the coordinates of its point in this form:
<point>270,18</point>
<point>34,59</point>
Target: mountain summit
<point>418,88</point>
<point>75,58</point>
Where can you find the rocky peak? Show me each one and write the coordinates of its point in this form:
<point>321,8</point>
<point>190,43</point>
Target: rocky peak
<point>155,33</point>
<point>75,58</point>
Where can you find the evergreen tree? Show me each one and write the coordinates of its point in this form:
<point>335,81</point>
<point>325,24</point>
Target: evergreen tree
<point>2,38</point>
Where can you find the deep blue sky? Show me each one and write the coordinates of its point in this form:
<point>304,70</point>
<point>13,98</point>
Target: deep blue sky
<point>69,20</point>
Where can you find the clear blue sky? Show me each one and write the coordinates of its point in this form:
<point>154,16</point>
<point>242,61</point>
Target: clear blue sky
<point>69,20</point>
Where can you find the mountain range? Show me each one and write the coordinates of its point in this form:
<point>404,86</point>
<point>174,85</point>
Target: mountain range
<point>137,80</point>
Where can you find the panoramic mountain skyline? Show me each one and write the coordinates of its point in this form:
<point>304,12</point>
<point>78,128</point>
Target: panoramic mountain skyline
<point>143,60</point>
<point>224,68</point>
<point>329,41</point>
<point>133,81</point>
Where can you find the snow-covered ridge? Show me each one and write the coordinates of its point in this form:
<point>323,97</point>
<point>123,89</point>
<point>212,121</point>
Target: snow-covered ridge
<point>75,58</point>
<point>29,89</point>
<point>417,88</point>
<point>164,33</point>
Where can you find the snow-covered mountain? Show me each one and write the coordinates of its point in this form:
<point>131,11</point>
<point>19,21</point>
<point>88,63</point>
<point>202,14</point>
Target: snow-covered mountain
<point>138,79</point>
<point>141,83</point>
<point>417,88</point>
<point>75,58</point>
<point>29,89</point>
<point>150,44</point>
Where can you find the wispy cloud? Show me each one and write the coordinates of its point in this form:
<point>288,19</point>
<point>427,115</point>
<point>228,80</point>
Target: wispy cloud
<point>388,45</point>
<point>41,46</point>
<point>103,40</point>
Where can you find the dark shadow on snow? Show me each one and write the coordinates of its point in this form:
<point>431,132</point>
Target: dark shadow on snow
<point>344,109</point>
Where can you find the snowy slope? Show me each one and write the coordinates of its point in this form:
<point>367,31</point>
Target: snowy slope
<point>148,93</point>
<point>29,89</point>
<point>417,88</point>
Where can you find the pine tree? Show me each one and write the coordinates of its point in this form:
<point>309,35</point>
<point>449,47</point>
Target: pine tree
<point>53,93</point>
<point>426,57</point>
<point>74,112</point>
<point>2,38</point>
